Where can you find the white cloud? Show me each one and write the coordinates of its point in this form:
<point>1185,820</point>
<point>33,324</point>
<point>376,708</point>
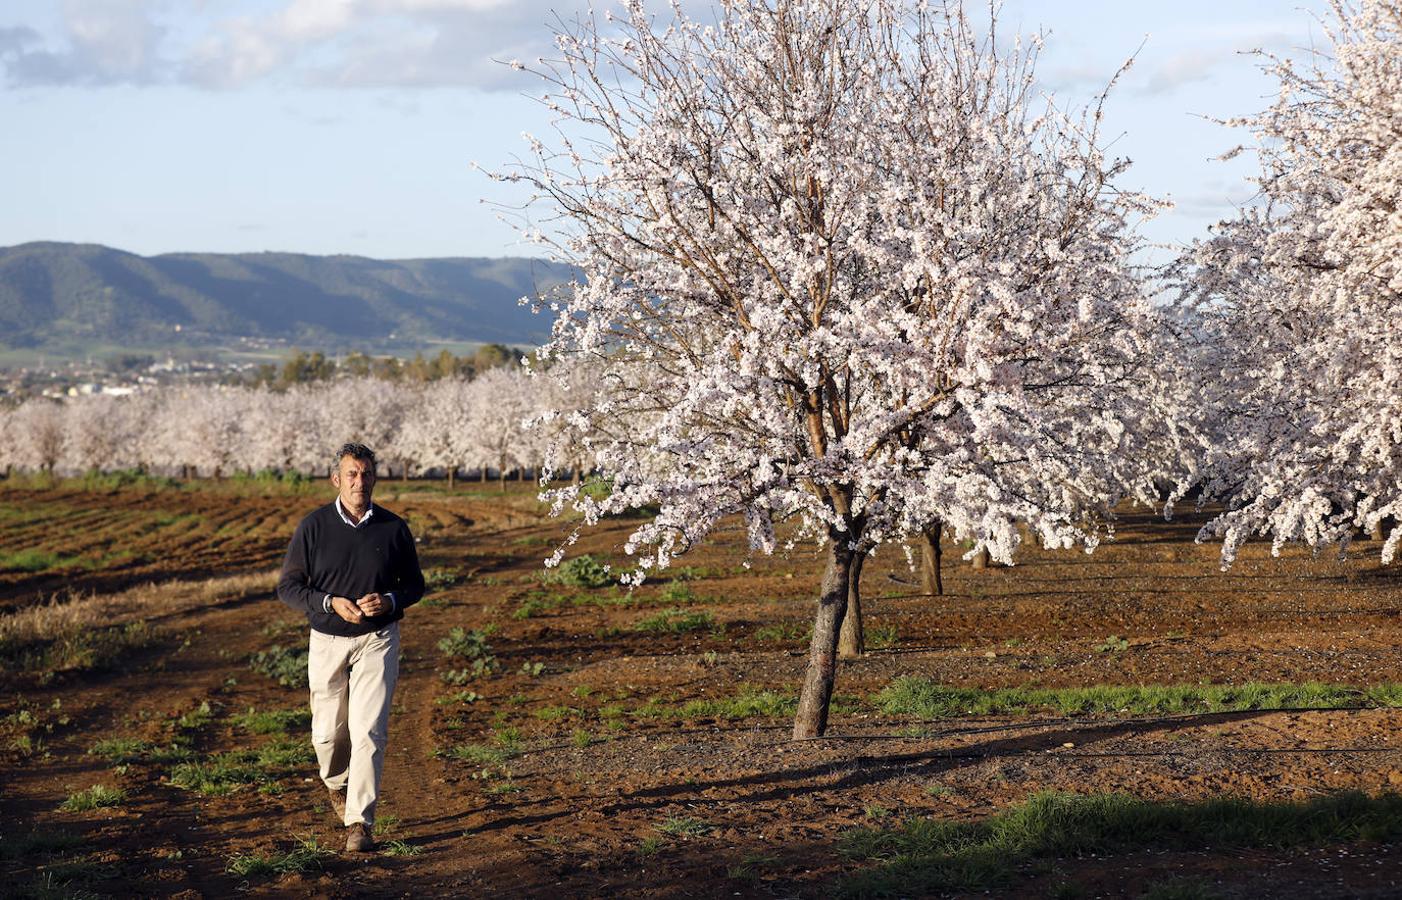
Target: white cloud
<point>107,42</point>
<point>1183,68</point>
<point>340,43</point>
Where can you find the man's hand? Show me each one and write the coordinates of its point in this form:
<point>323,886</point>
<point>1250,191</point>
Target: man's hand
<point>347,610</point>
<point>374,604</point>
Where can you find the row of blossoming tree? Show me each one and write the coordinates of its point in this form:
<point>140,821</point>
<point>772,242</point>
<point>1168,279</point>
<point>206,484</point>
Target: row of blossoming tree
<point>843,266</point>
<point>445,426</point>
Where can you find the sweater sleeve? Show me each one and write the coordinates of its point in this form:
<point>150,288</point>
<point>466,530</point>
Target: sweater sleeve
<point>294,587</point>
<point>409,579</point>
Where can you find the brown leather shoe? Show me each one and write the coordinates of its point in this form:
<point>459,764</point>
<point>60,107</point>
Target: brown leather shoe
<point>338,804</point>
<point>358,838</point>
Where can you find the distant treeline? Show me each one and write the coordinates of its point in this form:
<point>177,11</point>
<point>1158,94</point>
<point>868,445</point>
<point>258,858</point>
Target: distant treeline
<point>303,367</point>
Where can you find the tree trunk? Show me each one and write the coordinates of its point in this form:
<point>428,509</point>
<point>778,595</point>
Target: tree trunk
<point>811,720</point>
<point>501,475</point>
<point>482,475</point>
<point>980,560</point>
<point>452,476</point>
<point>930,553</point>
<point>852,641</point>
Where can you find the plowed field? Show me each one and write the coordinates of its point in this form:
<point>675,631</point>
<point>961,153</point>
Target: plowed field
<point>636,744</point>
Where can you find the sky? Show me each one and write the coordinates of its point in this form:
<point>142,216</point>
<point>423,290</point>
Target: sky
<point>353,126</point>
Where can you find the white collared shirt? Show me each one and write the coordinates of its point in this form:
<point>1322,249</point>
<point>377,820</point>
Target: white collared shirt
<point>341,511</point>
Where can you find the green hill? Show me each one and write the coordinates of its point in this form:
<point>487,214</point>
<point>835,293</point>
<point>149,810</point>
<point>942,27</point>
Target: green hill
<point>56,296</point>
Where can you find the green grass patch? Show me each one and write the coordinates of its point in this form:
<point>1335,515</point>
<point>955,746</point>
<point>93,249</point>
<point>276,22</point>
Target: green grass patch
<point>926,856</point>
<point>306,856</point>
<point>401,848</point>
<point>273,721</point>
<point>750,702</point>
<point>923,698</point>
<point>684,826</point>
<point>285,665</point>
<point>556,713</point>
<point>33,560</point>
<point>120,751</point>
<point>782,632</point>
<point>881,637</point>
<point>224,773</point>
<point>675,621</point>
<point>98,796</point>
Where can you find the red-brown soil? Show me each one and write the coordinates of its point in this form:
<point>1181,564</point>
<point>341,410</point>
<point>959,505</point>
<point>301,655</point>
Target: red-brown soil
<point>577,812</point>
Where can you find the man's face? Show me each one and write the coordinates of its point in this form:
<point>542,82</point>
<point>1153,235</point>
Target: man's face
<point>355,480</point>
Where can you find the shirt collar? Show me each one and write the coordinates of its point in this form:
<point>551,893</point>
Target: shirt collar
<point>340,511</point>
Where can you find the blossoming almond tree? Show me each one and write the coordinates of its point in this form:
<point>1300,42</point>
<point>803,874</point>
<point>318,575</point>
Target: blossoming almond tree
<point>811,235</point>
<point>1299,301</point>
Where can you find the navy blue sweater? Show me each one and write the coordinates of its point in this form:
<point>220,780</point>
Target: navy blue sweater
<point>327,556</point>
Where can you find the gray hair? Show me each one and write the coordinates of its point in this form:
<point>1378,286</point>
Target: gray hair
<point>354,451</point>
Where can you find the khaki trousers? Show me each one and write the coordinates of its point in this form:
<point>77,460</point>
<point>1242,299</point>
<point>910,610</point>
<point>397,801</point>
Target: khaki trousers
<point>352,686</point>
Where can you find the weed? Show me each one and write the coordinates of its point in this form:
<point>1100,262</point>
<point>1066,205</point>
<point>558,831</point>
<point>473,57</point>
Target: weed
<point>532,669</point>
<point>286,666</point>
<point>121,750</point>
<point>782,631</point>
<point>195,719</point>
<point>582,571</point>
<point>881,637</point>
<point>279,627</point>
<point>676,621</point>
<point>749,702</point>
<point>684,826</point>
<point>649,846</point>
<point>875,811</point>
<point>679,593</point>
<point>458,697</point>
<point>304,857</point>
<point>273,721</point>
<point>555,713</point>
<point>460,642</point>
<point>581,691</point>
<point>438,578</point>
<point>747,869</point>
<point>96,797</point>
<point>401,848</point>
<point>224,773</point>
<point>581,738</point>
<point>1112,644</point>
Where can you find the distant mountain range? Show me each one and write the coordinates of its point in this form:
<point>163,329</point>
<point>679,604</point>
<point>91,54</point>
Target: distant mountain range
<point>56,295</point>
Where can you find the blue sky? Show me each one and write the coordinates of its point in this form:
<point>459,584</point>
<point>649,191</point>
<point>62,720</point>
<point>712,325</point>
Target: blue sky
<point>350,126</point>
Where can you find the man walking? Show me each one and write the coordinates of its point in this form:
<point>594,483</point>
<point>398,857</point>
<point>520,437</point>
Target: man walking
<point>353,570</point>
